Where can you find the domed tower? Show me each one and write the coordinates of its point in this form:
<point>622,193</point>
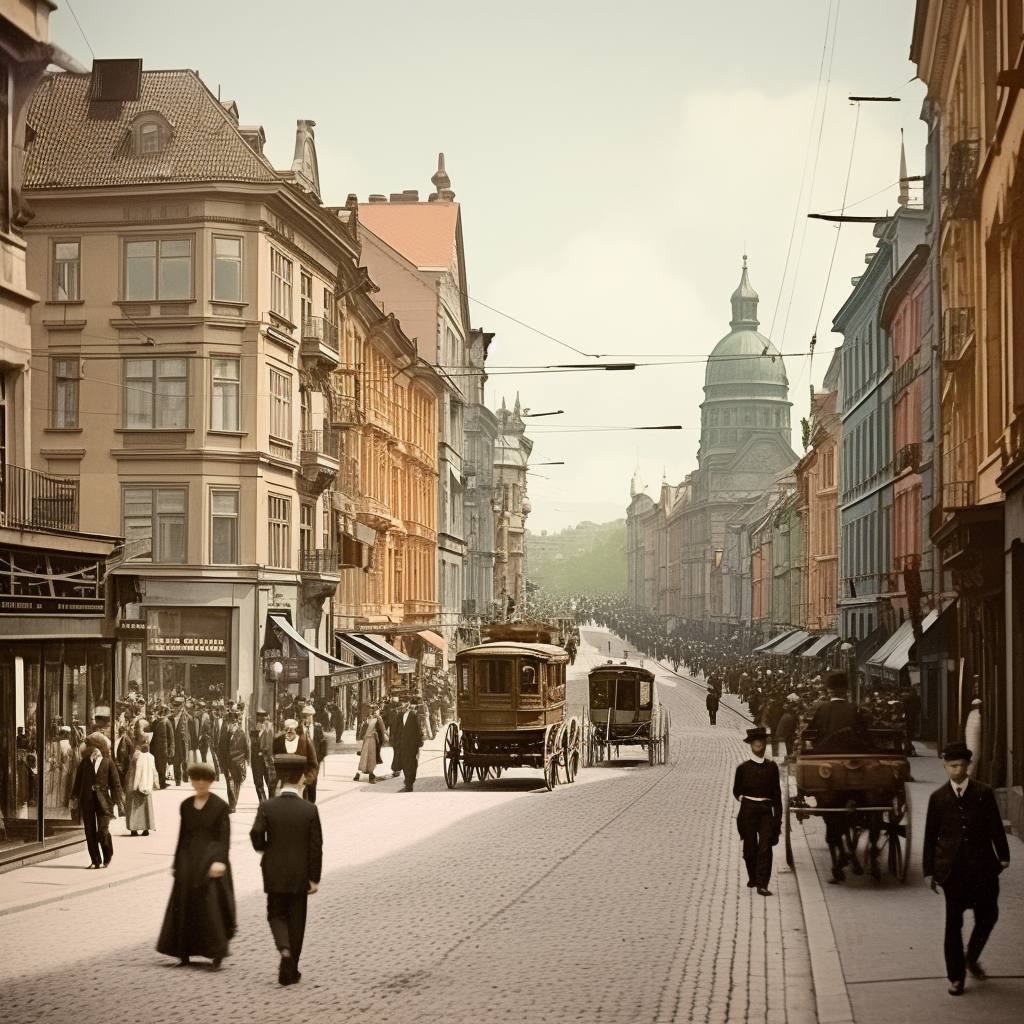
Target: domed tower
<point>744,427</point>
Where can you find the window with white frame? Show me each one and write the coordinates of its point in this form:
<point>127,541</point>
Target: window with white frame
<point>156,394</point>
<point>280,405</point>
<point>226,393</point>
<point>227,269</point>
<point>67,271</point>
<point>305,294</point>
<point>306,513</point>
<point>281,284</point>
<point>154,524</point>
<point>158,269</point>
<point>65,374</point>
<point>224,527</point>
<point>279,538</point>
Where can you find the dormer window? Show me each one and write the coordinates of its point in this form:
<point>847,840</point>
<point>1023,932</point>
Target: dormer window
<point>150,134</point>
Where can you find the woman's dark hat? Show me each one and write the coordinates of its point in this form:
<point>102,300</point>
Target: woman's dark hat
<point>202,770</point>
<point>760,733</point>
<point>956,752</point>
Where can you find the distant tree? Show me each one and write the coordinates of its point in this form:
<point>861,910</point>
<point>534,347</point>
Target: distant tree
<point>599,567</point>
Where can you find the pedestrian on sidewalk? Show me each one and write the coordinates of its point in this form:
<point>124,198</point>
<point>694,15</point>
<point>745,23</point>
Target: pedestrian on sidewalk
<point>287,832</point>
<point>234,752</point>
<point>140,782</point>
<point>712,702</point>
<point>161,744</point>
<point>373,739</point>
<point>200,916</point>
<point>410,739</point>
<point>314,733</point>
<point>97,796</point>
<point>293,741</point>
<point>965,849</point>
<point>759,822</point>
<point>261,748</point>
<point>785,729</point>
<point>394,715</point>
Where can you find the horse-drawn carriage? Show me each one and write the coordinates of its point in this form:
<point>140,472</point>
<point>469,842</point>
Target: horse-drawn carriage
<point>867,788</point>
<point>624,710</point>
<point>510,699</point>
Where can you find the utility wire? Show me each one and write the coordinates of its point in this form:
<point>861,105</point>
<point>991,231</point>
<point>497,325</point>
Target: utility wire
<point>80,29</point>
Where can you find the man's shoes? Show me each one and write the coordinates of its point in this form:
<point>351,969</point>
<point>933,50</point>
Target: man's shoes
<point>372,779</point>
<point>105,864</point>
<point>134,832</point>
<point>837,876</point>
<point>355,778</point>
<point>751,884</point>
<point>145,831</point>
<point>91,867</point>
<point>407,789</point>
<point>977,971</point>
<point>764,892</point>
<point>956,988</point>
<point>286,970</point>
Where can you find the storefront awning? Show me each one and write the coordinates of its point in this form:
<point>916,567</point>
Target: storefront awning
<point>435,640</point>
<point>820,646</point>
<point>360,655</point>
<point>378,648</point>
<point>900,655</point>
<point>364,534</point>
<point>792,643</point>
<point>867,647</point>
<point>903,637</point>
<point>769,644</point>
<point>284,629</point>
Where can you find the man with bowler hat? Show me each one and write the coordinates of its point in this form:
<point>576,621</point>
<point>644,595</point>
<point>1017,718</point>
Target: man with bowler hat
<point>407,742</point>
<point>287,832</point>
<point>759,821</point>
<point>965,848</point>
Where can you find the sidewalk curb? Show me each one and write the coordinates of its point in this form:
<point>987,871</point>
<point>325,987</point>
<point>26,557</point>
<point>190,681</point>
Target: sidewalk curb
<point>44,900</point>
<point>830,994</point>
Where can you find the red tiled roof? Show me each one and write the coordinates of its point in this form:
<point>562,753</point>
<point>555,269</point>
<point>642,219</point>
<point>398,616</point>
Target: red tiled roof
<point>424,233</point>
<point>72,149</point>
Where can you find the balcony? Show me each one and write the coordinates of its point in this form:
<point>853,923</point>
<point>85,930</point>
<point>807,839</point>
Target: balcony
<point>345,412</point>
<point>957,334</point>
<point>958,494</point>
<point>908,457</point>
<point>960,181</point>
<point>320,341</point>
<point>319,455</point>
<point>318,562</point>
<point>347,480</point>
<point>959,469</point>
<point>903,376</point>
<point>35,501</point>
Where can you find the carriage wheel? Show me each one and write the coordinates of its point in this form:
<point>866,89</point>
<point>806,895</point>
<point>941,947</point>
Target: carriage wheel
<point>451,756</point>
<point>664,740</point>
<point>464,767</point>
<point>551,748</point>
<point>571,750</point>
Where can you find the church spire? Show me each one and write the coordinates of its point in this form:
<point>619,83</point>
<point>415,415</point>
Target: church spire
<point>744,303</point>
<point>904,199</point>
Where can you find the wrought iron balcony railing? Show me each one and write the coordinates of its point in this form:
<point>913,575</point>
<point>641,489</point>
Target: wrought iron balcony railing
<point>320,331</point>
<point>38,501</point>
<point>957,494</point>
<point>903,376</point>
<point>322,561</point>
<point>957,333</point>
<point>960,181</point>
<point>908,457</point>
<point>320,442</point>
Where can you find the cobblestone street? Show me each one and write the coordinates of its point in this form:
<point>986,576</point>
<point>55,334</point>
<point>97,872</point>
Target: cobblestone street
<point>619,898</point>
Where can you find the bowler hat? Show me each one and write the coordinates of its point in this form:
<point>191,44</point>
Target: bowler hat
<point>956,752</point>
<point>290,761</point>
<point>837,681</point>
<point>758,733</point>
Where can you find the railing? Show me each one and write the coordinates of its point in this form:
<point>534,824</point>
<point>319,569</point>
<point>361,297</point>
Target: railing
<point>347,480</point>
<point>903,376</point>
<point>908,457</point>
<point>38,501</point>
<point>320,331</point>
<point>959,468</point>
<point>345,411</point>
<point>957,332</point>
<point>957,494</point>
<point>960,181</point>
<point>318,560</point>
<point>320,442</point>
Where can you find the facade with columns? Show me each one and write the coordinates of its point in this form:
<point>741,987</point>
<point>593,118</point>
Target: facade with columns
<point>511,506</point>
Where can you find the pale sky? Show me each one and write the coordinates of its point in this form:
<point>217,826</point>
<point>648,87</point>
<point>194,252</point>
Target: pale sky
<point>613,162</point>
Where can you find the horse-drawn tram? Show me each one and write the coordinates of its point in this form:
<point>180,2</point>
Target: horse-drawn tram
<point>859,781</point>
<point>624,710</point>
<point>510,700</point>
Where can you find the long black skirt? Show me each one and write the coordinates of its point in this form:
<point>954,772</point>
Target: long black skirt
<point>200,920</point>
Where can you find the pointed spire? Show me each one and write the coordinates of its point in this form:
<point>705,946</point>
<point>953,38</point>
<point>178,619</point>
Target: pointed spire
<point>904,199</point>
<point>442,183</point>
<point>744,302</point>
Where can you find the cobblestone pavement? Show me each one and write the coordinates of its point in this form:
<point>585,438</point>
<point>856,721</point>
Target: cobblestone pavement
<point>620,898</point>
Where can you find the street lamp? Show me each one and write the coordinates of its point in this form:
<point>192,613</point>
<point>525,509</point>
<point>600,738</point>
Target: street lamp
<point>276,670</point>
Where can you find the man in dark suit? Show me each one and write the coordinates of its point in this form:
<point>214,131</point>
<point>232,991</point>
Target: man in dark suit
<point>161,746</point>
<point>96,794</point>
<point>757,787</point>
<point>179,723</point>
<point>287,832</point>
<point>293,741</point>
<point>712,701</point>
<point>965,848</point>
<point>234,752</point>
<point>123,750</point>
<point>408,742</point>
<point>314,733</point>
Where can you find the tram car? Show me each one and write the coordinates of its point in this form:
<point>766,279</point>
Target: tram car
<point>624,710</point>
<point>510,701</point>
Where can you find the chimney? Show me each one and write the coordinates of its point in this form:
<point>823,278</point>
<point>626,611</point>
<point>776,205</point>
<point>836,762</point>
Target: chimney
<point>378,198</point>
<point>409,195</point>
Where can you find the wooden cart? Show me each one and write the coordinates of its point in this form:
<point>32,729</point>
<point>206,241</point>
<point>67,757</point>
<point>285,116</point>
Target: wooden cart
<point>624,710</point>
<point>511,714</point>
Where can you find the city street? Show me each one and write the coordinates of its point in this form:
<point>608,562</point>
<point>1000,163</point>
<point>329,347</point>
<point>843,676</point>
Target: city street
<point>619,898</point>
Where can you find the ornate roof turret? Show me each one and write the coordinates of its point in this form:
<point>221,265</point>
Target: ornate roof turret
<point>442,183</point>
<point>744,302</point>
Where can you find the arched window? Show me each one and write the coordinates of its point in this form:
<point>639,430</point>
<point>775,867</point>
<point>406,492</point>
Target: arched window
<point>151,133</point>
<point>149,138</point>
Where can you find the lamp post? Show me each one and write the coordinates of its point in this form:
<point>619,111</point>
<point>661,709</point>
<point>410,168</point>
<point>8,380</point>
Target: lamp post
<point>276,669</point>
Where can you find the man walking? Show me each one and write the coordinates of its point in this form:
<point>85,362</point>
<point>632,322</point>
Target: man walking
<point>759,822</point>
<point>179,723</point>
<point>314,733</point>
<point>287,832</point>
<point>965,848</point>
<point>234,752</point>
<point>408,743</point>
<point>712,702</point>
<point>97,795</point>
<point>262,772</point>
<point>161,746</point>
<point>293,741</point>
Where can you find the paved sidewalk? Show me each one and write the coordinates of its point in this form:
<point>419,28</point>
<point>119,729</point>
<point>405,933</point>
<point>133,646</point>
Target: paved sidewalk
<point>889,936</point>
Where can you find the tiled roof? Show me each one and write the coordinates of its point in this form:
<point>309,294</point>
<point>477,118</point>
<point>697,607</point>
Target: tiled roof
<point>424,233</point>
<point>70,148</point>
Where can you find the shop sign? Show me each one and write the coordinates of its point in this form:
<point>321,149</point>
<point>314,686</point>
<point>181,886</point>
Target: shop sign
<point>36,605</point>
<point>131,629</point>
<point>185,645</point>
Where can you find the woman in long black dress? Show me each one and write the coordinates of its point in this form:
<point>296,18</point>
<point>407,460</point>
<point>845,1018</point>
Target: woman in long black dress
<point>200,918</point>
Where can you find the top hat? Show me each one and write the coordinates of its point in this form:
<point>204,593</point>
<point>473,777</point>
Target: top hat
<point>758,733</point>
<point>956,752</point>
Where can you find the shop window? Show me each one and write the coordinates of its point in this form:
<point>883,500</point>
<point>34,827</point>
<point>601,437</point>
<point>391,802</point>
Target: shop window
<point>154,524</point>
<point>224,527</point>
<point>156,394</point>
<point>158,269</point>
<point>227,269</point>
<point>279,541</point>
<point>226,393</point>
<point>67,269</point>
<point>64,373</point>
<point>280,405</point>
